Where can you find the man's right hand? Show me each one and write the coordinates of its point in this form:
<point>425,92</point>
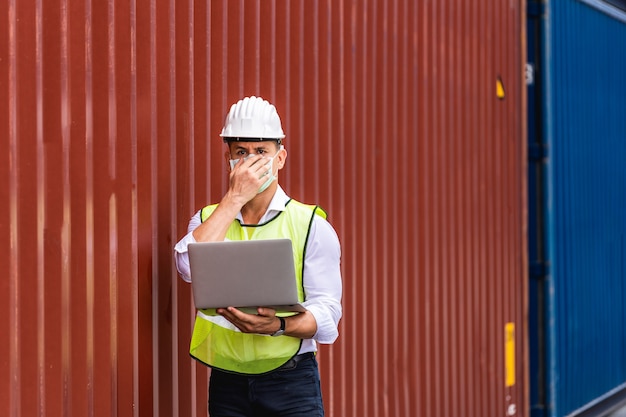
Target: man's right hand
<point>246,178</point>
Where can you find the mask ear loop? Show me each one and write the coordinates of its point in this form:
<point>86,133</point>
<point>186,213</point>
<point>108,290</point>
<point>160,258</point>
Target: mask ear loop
<point>280,148</point>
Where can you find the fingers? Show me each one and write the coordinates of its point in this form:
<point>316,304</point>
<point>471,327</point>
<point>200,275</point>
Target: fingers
<point>261,323</point>
<point>252,169</point>
<point>259,166</point>
<point>246,177</point>
<point>266,311</point>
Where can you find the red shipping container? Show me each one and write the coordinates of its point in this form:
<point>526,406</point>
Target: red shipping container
<point>404,120</point>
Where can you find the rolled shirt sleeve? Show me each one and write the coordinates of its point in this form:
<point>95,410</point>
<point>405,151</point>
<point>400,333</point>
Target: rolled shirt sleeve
<point>322,280</point>
<point>181,255</point>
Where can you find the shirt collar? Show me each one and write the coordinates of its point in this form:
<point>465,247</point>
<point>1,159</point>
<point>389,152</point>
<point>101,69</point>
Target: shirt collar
<point>277,204</point>
<point>279,201</point>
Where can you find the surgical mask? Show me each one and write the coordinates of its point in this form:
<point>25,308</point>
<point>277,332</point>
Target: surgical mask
<point>270,175</point>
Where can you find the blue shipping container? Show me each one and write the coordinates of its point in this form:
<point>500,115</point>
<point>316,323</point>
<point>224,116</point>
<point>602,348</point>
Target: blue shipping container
<point>577,213</point>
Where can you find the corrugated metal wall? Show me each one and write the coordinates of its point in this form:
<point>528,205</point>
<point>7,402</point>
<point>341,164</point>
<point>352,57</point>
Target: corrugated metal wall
<point>585,92</point>
<point>110,113</point>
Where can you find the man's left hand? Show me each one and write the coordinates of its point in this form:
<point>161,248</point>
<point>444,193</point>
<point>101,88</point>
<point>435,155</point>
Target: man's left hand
<point>264,322</point>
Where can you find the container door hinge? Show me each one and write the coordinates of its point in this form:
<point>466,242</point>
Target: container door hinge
<point>537,152</point>
<point>535,8</point>
<point>539,270</point>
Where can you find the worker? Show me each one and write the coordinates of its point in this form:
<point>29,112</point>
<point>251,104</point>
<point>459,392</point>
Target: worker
<point>265,364</point>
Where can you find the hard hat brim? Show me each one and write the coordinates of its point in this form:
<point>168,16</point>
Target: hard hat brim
<point>244,139</point>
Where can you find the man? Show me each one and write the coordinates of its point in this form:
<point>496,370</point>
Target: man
<point>264,364</point>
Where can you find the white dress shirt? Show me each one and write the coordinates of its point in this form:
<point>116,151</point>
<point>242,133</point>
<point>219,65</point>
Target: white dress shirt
<point>321,277</point>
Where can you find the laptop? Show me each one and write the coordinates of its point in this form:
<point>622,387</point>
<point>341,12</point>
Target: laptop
<point>244,274</point>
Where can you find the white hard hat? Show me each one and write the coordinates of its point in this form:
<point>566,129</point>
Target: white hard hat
<point>252,119</point>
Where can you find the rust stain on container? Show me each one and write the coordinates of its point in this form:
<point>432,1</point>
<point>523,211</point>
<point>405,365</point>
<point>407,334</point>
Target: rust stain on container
<point>110,114</point>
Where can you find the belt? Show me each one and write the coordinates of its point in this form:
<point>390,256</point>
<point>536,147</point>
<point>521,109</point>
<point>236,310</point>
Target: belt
<point>293,362</point>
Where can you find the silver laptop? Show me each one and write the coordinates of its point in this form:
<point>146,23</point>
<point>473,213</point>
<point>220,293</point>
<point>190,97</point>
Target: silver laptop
<point>244,274</point>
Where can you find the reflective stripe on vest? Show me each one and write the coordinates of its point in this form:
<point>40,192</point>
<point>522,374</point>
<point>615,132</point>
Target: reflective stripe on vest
<point>215,342</point>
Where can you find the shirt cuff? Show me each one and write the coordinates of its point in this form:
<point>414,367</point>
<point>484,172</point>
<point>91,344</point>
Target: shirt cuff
<point>181,246</point>
<point>327,331</point>
<point>181,256</point>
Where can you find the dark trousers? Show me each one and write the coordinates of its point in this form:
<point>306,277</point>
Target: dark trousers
<point>290,391</point>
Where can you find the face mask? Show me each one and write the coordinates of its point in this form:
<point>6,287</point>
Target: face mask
<point>270,175</point>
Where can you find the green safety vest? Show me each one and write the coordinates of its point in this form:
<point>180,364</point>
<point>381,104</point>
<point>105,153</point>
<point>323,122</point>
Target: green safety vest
<point>233,351</point>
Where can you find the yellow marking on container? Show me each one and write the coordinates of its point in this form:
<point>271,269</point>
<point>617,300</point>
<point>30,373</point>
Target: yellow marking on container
<point>509,354</point>
<point>500,88</point>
